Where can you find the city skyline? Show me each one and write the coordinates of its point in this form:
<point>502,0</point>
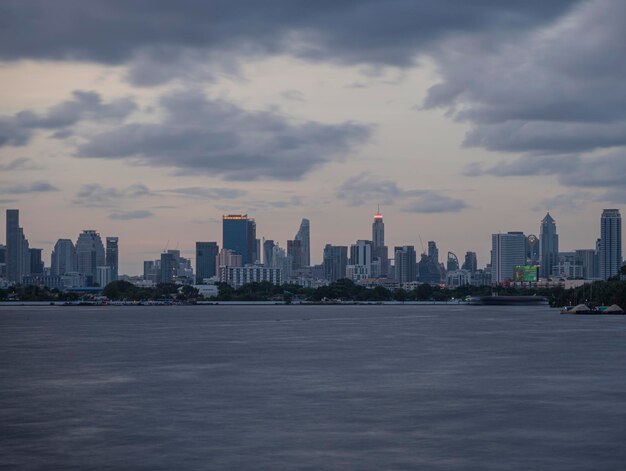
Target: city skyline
<point>249,238</point>
<point>322,111</point>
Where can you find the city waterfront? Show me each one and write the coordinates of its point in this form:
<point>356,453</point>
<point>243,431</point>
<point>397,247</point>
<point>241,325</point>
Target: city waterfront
<point>311,387</point>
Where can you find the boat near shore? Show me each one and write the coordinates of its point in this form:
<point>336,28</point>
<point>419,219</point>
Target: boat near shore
<point>508,301</point>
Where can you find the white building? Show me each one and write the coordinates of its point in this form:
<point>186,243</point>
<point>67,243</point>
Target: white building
<point>456,278</point>
<point>357,272</point>
<point>239,276</point>
<point>507,251</point>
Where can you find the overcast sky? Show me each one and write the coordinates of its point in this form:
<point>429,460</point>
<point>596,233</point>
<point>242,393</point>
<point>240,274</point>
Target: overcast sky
<point>150,119</point>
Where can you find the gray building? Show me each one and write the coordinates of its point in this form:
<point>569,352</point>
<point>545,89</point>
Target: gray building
<point>507,251</point>
<point>63,258</point>
<point>548,246</point>
<point>17,251</point>
<point>588,260</point>
<point>36,262</point>
<point>471,262</point>
<point>168,267</point>
<point>335,262</point>
<point>206,260</point>
<point>89,254</point>
<point>295,250</point>
<point>304,236</point>
<point>610,243</point>
<point>112,256</point>
<point>405,261</point>
<point>268,253</point>
<point>380,252</point>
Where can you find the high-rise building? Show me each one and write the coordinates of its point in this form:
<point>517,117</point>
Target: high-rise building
<point>360,263</point>
<point>36,262</point>
<point>17,252</point>
<point>405,264</point>
<point>428,271</point>
<point>379,249</point>
<point>151,272</point>
<point>433,252</point>
<point>89,254</point>
<point>610,243</point>
<point>112,256</point>
<point>295,250</point>
<point>268,253</point>
<point>63,258</point>
<point>452,263</point>
<point>588,260</point>
<point>206,260</point>
<point>229,258</point>
<point>548,246</point>
<point>471,262</point>
<point>239,235</point>
<point>3,261</point>
<point>335,262</point>
<point>304,236</point>
<point>169,267</point>
<point>507,251</point>
<point>104,275</point>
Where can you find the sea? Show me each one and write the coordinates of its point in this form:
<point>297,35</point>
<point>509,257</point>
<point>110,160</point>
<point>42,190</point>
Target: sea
<point>440,387</point>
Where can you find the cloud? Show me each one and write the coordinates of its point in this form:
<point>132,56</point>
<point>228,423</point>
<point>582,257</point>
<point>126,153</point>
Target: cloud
<point>603,171</point>
<point>21,163</point>
<point>556,89</point>
<point>367,189</point>
<point>206,193</point>
<point>128,215</point>
<point>190,35</point>
<point>17,130</point>
<point>293,95</point>
<point>97,196</point>
<point>214,137</point>
<point>24,188</point>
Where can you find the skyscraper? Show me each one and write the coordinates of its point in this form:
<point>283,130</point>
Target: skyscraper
<point>36,262</point>
<point>335,262</point>
<point>63,259</point>
<point>507,251</point>
<point>239,235</point>
<point>471,262</point>
<point>112,256</point>
<point>610,243</point>
<point>268,253</point>
<point>379,249</point>
<point>304,236</point>
<point>17,251</point>
<point>405,264</point>
<point>548,246</point>
<point>169,267</point>
<point>89,254</point>
<point>206,260</point>
<point>433,252</point>
<point>295,250</point>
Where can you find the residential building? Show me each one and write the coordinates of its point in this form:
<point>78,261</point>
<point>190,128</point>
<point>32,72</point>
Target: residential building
<point>112,256</point>
<point>335,262</point>
<point>507,251</point>
<point>89,254</point>
<point>610,243</point>
<point>239,276</point>
<point>304,236</point>
<point>405,264</point>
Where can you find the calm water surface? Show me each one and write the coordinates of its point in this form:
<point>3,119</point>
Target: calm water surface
<point>304,387</point>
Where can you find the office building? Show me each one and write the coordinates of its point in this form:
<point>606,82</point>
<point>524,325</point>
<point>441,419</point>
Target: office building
<point>104,275</point>
<point>36,262</point>
<point>239,235</point>
<point>610,261</point>
<point>239,276</point>
<point>405,264</point>
<point>548,246</point>
<point>295,250</point>
<point>168,267</point>
<point>380,252</point>
<point>452,263</point>
<point>335,262</point>
<point>206,260</point>
<point>304,236</point>
<point>507,251</point>
<point>588,261</point>
<point>63,258</point>
<point>471,262</point>
<point>268,253</point>
<point>112,256</point>
<point>433,252</point>
<point>17,248</point>
<point>361,258</point>
<point>89,254</point>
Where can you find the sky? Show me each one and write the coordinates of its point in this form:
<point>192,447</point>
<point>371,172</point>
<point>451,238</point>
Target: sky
<point>149,120</point>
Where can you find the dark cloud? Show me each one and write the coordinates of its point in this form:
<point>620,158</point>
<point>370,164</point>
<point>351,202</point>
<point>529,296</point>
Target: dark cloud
<point>97,196</point>
<point>22,188</point>
<point>214,137</point>
<point>206,193</point>
<point>604,171</point>
<point>558,89</point>
<point>128,215</point>
<point>368,189</point>
<point>149,33</point>
<point>21,163</point>
<point>17,130</point>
